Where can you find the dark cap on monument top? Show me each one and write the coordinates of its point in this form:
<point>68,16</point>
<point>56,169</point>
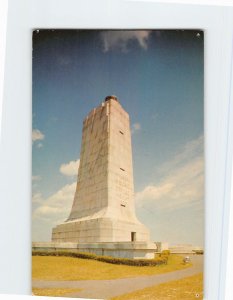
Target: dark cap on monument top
<point>111,97</point>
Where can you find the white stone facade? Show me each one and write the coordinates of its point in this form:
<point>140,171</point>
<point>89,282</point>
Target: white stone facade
<point>103,208</point>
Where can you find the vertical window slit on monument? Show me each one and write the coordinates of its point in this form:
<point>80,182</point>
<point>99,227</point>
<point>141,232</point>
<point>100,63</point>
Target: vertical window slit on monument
<point>123,205</point>
<point>121,132</point>
<point>122,169</point>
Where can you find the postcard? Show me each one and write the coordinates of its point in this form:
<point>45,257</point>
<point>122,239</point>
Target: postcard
<point>118,163</point>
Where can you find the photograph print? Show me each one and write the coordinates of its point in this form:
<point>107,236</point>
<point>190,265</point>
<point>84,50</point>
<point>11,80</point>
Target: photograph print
<point>118,164</point>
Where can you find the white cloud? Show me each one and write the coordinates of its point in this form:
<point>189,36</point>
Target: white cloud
<point>135,127</point>
<point>120,39</point>
<point>51,211</point>
<point>36,178</point>
<point>182,184</point>
<point>37,198</point>
<point>190,151</point>
<point>71,168</point>
<point>154,192</point>
<point>37,135</point>
<point>55,206</point>
<point>40,145</point>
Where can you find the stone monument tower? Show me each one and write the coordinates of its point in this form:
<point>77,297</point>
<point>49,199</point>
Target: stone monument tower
<point>103,209</point>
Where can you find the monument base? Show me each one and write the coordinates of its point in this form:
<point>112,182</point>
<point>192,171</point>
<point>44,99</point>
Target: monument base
<point>133,250</point>
<point>98,230</point>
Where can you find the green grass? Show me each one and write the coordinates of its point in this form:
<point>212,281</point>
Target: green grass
<point>69,268</point>
<point>184,289</point>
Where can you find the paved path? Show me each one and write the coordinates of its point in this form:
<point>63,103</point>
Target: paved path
<point>105,289</point>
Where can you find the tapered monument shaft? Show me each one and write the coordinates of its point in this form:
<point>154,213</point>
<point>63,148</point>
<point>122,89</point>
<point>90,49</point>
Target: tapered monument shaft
<point>103,209</point>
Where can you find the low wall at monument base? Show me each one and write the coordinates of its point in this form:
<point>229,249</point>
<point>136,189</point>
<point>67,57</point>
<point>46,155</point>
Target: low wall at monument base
<point>182,249</point>
<point>134,250</point>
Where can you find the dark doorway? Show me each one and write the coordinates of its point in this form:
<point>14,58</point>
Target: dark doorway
<point>133,236</point>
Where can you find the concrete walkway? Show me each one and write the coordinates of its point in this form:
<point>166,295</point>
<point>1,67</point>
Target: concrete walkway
<point>105,289</point>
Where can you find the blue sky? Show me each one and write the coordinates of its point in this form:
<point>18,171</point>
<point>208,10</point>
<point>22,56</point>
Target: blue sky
<point>158,78</point>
